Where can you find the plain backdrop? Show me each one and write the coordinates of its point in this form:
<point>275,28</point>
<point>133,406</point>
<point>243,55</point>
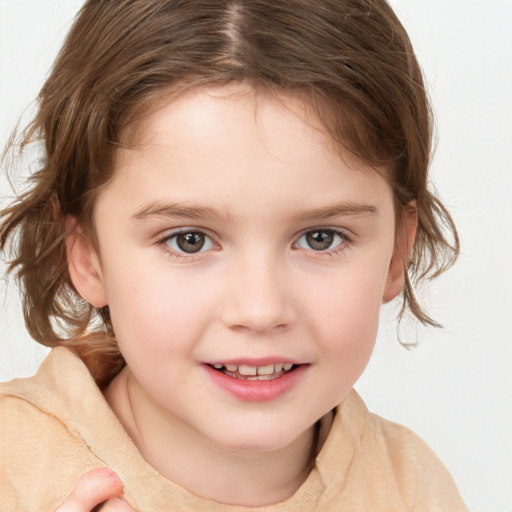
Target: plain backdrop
<point>455,388</point>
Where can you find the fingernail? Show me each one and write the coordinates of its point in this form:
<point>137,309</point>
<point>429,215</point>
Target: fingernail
<point>107,473</point>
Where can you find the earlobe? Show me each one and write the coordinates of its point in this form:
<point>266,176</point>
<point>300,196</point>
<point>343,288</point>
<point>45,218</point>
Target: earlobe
<point>84,266</point>
<point>404,242</point>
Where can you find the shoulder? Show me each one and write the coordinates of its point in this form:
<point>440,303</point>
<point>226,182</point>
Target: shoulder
<point>390,467</point>
<point>424,480</point>
<point>404,449</point>
<point>47,394</point>
<point>32,437</point>
<point>42,454</point>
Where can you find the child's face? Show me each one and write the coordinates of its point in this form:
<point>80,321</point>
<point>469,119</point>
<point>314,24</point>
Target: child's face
<point>236,234</point>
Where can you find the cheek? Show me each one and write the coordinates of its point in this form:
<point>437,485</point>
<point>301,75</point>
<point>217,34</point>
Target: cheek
<point>346,321</point>
<point>346,341</point>
<point>157,308</point>
<point>350,299</point>
<point>348,329</point>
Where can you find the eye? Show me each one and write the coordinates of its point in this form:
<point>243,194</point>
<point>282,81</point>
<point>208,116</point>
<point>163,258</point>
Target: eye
<point>189,242</point>
<point>320,239</point>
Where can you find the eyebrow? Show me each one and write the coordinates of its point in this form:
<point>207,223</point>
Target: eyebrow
<point>337,210</point>
<point>195,212</point>
<point>177,210</point>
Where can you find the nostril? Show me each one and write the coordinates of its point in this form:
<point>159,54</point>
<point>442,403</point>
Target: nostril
<point>257,313</point>
<point>248,328</point>
<point>240,328</point>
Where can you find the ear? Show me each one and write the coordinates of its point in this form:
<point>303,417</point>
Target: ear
<point>404,242</point>
<point>84,265</point>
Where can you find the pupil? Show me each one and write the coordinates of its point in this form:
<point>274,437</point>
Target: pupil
<point>190,242</point>
<point>320,240</point>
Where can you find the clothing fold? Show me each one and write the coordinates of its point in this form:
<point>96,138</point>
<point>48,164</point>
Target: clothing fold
<point>56,425</point>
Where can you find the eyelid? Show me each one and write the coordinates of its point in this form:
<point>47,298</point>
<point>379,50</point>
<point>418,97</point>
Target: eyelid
<point>347,239</point>
<point>171,233</point>
<point>343,233</point>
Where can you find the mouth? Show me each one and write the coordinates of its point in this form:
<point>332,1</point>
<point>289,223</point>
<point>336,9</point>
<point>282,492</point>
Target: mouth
<point>246,372</point>
<point>255,382</point>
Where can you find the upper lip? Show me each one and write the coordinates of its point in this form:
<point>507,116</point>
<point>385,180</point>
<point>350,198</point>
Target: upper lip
<point>261,361</point>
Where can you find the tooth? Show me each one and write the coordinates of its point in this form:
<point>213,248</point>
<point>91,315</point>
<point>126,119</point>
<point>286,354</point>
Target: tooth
<point>278,367</point>
<point>218,366</point>
<point>266,370</point>
<point>231,367</point>
<point>247,370</point>
<point>287,366</point>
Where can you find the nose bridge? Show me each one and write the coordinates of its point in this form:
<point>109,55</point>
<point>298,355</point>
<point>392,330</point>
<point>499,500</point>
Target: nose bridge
<point>258,297</point>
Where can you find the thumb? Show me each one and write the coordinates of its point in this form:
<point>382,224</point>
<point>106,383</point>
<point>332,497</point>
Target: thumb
<point>93,488</point>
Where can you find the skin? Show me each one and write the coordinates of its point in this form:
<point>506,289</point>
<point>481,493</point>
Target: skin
<point>256,175</point>
<point>99,487</point>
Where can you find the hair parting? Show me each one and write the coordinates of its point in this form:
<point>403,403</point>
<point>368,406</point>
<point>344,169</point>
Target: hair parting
<point>351,62</point>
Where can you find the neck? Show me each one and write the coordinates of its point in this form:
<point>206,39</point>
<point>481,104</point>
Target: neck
<point>184,456</point>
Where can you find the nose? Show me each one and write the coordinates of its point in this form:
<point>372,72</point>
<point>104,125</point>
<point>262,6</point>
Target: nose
<point>258,297</point>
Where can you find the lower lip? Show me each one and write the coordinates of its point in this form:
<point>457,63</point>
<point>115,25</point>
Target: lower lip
<point>257,390</point>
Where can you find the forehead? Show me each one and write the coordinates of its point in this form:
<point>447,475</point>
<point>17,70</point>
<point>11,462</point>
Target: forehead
<point>224,140</point>
<point>195,112</point>
<point>198,107</point>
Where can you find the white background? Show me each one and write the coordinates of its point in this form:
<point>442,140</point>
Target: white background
<point>455,388</point>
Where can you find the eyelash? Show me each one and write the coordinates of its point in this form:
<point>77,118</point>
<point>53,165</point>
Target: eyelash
<point>176,254</point>
<point>344,243</point>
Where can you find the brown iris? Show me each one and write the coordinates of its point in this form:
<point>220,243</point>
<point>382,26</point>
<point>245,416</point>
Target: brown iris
<point>320,240</point>
<point>190,242</point>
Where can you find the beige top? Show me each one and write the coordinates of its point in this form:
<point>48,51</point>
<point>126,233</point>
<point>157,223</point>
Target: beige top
<point>57,425</point>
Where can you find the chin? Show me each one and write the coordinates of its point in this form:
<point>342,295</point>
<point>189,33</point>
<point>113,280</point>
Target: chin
<point>256,446</point>
<point>268,438</point>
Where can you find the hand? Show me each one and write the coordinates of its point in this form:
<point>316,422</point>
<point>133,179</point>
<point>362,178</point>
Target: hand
<point>99,489</point>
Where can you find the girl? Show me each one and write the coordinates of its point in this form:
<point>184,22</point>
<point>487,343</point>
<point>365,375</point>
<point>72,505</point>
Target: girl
<point>230,191</point>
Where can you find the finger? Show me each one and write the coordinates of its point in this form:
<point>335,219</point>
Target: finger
<point>116,505</point>
<point>93,488</point>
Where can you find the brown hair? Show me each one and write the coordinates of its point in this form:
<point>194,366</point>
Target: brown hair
<point>351,59</point>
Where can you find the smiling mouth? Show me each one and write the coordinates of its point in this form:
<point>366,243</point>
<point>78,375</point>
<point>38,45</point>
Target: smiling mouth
<point>245,372</point>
